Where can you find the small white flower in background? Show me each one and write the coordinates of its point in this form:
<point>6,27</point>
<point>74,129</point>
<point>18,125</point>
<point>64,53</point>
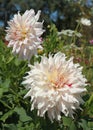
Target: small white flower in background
<point>85,21</point>
<point>56,86</point>
<point>70,33</point>
<point>24,34</point>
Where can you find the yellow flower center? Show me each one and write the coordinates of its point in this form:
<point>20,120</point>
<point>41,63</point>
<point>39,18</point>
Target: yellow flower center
<point>56,79</point>
<point>23,34</point>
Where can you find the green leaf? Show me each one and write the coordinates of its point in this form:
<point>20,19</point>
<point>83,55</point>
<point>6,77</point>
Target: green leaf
<point>1,92</point>
<point>17,62</point>
<point>5,86</point>
<point>72,126</point>
<point>22,114</point>
<point>84,124</point>
<point>6,115</point>
<point>66,121</point>
<point>10,126</point>
<point>90,99</point>
<point>9,60</point>
<point>90,124</point>
<point>1,113</point>
<point>6,83</point>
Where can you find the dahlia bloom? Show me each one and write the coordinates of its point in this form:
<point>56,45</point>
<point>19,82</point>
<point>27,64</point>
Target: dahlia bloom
<point>56,86</point>
<point>24,34</point>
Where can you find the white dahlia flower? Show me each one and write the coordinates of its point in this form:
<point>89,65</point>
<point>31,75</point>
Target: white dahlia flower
<point>24,34</point>
<point>55,86</point>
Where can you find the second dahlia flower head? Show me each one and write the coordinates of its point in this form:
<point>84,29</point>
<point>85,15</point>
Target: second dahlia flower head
<point>24,34</point>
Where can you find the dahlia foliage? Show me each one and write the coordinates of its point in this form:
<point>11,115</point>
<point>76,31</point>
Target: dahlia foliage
<point>24,34</point>
<point>56,86</point>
